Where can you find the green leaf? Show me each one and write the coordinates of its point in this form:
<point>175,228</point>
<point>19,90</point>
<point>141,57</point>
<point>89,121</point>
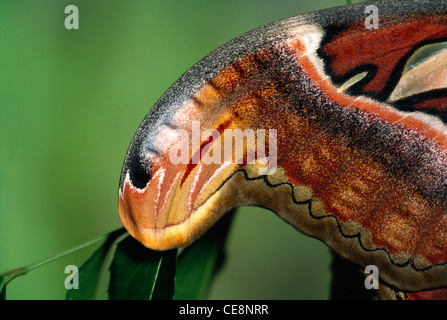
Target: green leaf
<point>138,273</point>
<point>2,288</point>
<point>198,264</point>
<point>89,272</point>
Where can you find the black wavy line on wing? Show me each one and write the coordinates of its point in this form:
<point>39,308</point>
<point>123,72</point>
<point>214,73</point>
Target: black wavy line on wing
<point>309,203</point>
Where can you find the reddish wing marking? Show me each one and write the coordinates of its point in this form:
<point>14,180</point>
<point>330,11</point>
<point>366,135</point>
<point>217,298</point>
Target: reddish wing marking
<point>363,176</point>
<point>349,50</point>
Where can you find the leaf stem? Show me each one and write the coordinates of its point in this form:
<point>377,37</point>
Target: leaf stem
<point>8,276</point>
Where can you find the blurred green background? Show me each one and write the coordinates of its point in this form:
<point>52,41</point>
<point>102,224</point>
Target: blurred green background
<point>70,102</point>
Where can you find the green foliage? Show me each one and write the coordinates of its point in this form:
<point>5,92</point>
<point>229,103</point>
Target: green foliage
<point>138,273</point>
<point>89,272</point>
<point>198,263</point>
<point>2,289</point>
<point>67,130</point>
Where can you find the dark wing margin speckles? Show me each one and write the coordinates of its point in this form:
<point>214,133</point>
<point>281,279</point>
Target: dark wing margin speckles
<point>361,144</point>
